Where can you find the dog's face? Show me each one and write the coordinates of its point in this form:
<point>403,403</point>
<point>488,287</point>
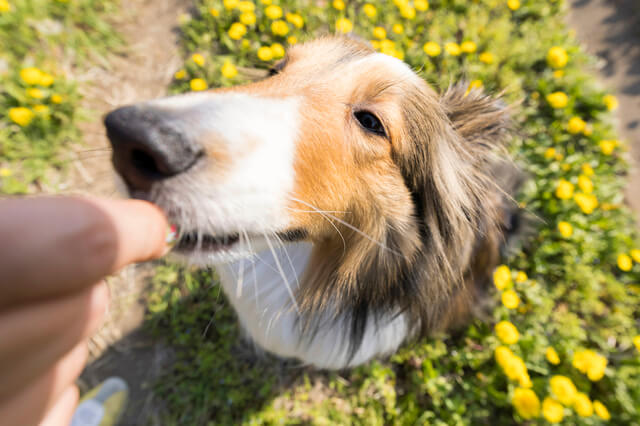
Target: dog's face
<point>232,166</point>
<point>342,146</point>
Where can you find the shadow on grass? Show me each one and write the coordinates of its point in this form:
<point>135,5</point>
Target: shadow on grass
<point>188,363</point>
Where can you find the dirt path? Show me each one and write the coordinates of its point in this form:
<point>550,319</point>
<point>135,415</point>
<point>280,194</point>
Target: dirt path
<point>143,71</point>
<point>610,29</point>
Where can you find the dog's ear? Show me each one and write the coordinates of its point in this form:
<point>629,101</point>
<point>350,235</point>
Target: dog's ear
<point>476,116</point>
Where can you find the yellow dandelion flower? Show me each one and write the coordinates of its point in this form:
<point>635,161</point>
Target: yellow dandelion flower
<point>4,6</point>
<point>246,6</point>
<point>601,410</point>
<point>611,102</point>
<point>585,184</point>
<point>586,202</point>
<point>230,4</point>
<point>636,342</point>
<point>590,363</point>
<point>35,93</point>
<point>338,4</point>
<point>513,4</point>
<point>273,11</point>
<point>198,84</point>
<point>507,332</point>
<point>198,59</point>
<point>408,12</point>
<point>582,404</point>
<point>344,25</point>
<point>398,28</point>
<point>4,172</point>
<point>421,5</point>
<point>552,410</point>
<point>607,146</point>
<point>526,403</point>
<point>521,277</point>
<point>563,389</point>
<point>279,28</point>
<point>468,47</point>
<point>21,116</point>
<point>558,74</point>
<point>431,48</point>
<point>228,70</point>
<point>502,277</point>
<point>486,58</point>
<point>292,40</point>
<point>278,50</point>
<point>46,80</point>
<point>248,18</point>
<point>179,75</point>
<point>452,49</point>
<point>557,57</point>
<point>56,99</point>
<point>266,2</point>
<point>550,153</point>
<point>576,125</point>
<point>502,354</point>
<point>624,262</point>
<point>587,169</point>
<point>42,110</point>
<point>379,33</point>
<point>370,10</point>
<point>510,299</point>
<point>237,31</point>
<point>31,75</point>
<point>214,12</point>
<point>295,19</point>
<point>565,229</point>
<point>564,190</point>
<point>552,356</point>
<point>475,84</point>
<point>558,100</point>
<point>265,53</point>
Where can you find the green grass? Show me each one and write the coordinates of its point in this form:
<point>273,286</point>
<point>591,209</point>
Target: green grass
<point>575,295</point>
<point>55,37</point>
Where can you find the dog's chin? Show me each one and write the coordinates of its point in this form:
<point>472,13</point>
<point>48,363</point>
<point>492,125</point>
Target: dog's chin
<point>208,253</point>
<point>206,250</point>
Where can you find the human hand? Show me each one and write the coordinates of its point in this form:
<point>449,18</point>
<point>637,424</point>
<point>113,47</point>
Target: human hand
<point>55,253</point>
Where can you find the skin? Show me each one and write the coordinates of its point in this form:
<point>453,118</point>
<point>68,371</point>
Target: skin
<point>56,253</point>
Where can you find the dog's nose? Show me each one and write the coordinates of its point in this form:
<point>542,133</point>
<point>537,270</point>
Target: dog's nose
<point>149,145</point>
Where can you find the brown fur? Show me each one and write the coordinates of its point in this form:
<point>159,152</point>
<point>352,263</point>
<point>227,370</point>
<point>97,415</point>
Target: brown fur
<point>425,196</point>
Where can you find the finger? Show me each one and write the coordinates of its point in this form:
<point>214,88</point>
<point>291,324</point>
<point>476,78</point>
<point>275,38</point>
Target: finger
<point>62,412</point>
<point>30,404</point>
<point>53,246</point>
<point>32,339</point>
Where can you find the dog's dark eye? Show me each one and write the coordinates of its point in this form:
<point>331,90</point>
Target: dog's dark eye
<point>370,122</point>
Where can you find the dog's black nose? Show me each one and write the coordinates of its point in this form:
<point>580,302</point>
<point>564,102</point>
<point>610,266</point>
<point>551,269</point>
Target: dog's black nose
<point>149,145</point>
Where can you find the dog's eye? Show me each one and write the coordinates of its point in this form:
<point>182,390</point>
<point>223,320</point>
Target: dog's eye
<point>370,122</point>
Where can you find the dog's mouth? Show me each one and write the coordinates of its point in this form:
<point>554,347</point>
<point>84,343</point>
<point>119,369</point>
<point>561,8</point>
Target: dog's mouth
<point>194,241</point>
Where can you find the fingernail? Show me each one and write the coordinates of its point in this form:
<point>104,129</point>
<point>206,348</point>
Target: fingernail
<point>172,235</point>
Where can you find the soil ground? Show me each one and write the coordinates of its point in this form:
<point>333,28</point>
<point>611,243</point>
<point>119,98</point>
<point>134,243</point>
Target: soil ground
<point>609,28</point>
<point>142,71</point>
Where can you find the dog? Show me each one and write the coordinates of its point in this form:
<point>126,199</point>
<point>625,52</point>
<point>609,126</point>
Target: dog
<point>347,206</point>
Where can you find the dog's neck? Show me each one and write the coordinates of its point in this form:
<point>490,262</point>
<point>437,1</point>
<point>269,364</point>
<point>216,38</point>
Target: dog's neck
<point>262,289</point>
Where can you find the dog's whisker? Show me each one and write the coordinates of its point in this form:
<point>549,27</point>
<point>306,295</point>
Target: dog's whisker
<point>353,228</point>
<point>282,273</point>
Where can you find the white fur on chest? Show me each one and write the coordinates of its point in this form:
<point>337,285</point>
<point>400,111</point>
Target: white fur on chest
<point>258,292</point>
